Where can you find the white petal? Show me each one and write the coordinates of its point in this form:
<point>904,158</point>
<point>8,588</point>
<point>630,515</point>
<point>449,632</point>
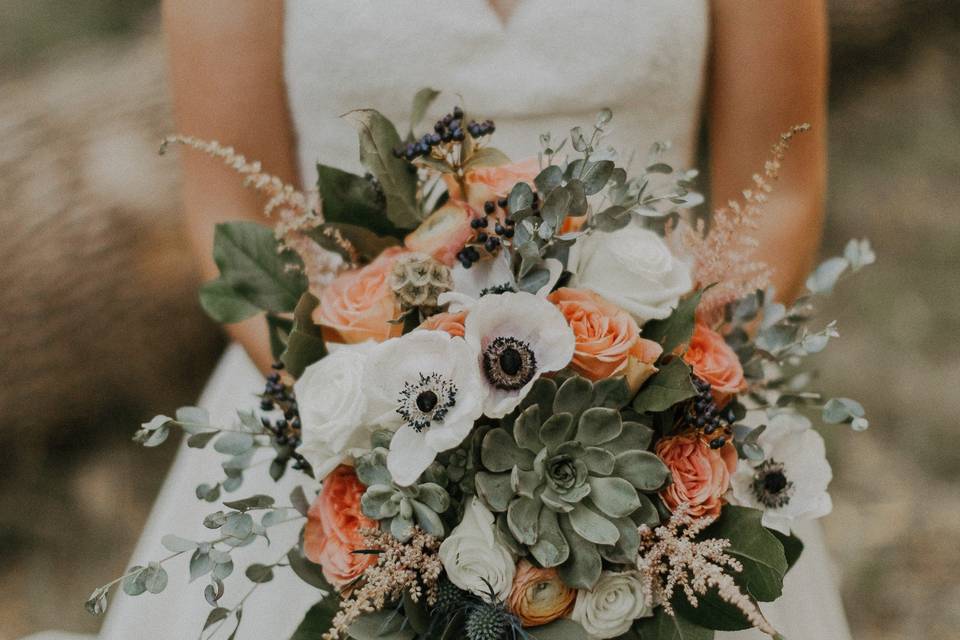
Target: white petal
<point>409,456</point>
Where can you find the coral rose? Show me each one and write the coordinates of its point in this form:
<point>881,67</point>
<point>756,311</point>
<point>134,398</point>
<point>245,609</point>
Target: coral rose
<point>608,341</point>
<point>491,183</point>
<point>539,596</point>
<point>444,232</point>
<point>359,304</point>
<point>450,322</point>
<point>716,363</point>
<point>333,528</point>
<point>701,475</point>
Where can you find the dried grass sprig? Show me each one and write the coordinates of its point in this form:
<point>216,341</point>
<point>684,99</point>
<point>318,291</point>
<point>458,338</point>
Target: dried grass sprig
<point>411,567</point>
<point>723,252</point>
<point>670,558</point>
<point>295,211</point>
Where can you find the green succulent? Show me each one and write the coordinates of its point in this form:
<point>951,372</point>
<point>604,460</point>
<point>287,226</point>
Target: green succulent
<point>565,474</point>
<point>401,508</point>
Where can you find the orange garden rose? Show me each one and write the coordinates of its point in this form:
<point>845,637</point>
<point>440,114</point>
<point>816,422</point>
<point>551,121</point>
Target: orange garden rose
<point>444,232</point>
<point>715,362</point>
<point>333,528</point>
<point>539,596</point>
<point>491,183</point>
<point>608,341</point>
<point>447,321</point>
<point>701,475</point>
<point>358,305</point>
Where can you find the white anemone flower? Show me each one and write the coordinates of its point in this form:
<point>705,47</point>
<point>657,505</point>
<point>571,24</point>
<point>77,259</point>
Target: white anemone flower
<point>492,276</point>
<point>426,387</point>
<point>791,482</point>
<point>517,337</point>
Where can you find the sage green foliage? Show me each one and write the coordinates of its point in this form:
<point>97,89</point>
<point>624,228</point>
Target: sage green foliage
<point>566,475</point>
<point>668,386</point>
<point>401,508</point>
<point>255,275</point>
<point>398,179</point>
<point>305,343</point>
<point>351,199</point>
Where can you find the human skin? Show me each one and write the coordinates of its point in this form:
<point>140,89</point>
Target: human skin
<point>767,71</point>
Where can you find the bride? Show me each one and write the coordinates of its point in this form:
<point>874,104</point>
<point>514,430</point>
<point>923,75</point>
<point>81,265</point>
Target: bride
<point>271,80</point>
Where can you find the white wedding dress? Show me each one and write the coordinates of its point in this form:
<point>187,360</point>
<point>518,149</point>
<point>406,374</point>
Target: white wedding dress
<point>550,66</point>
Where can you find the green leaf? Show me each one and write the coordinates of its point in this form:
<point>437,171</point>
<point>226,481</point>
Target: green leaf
<point>278,329</point>
<point>598,425</point>
<point>499,452</point>
<point>573,396</point>
<point>305,344</point>
<point>663,626</point>
<point>421,102</point>
<point>548,179</point>
<point>593,527</point>
<point>258,501</point>
<point>485,157</point>
<point>792,547</point>
<point>582,568</point>
<point>611,392</point>
<point>551,548</point>
<point>381,625</point>
<point>224,304</point>
<point>259,573</point>
<point>318,619</point>
<point>233,443</point>
<point>613,218</point>
<point>200,564</point>
<point>155,578</point>
<point>251,264</point>
<point>133,584</point>
<point>174,543</point>
<point>200,440</point>
<point>351,199</point>
<point>520,198</point>
<point>216,615</point>
<point>298,499</point>
<point>596,175</point>
<point>642,469</point>
<point>309,572</point>
<point>523,516</point>
<point>378,138</point>
<point>762,555</point>
<point>495,489</point>
<point>670,385</point>
<point>416,613</point>
<point>677,328</point>
<point>557,206</point>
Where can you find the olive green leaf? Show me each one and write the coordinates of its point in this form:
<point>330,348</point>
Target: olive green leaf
<point>670,385</point>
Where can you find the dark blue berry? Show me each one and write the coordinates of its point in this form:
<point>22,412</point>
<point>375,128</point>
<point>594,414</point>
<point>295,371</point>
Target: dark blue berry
<point>507,233</point>
<point>266,405</point>
<point>447,136</point>
<point>457,112</point>
<point>488,207</point>
<point>481,237</point>
<point>492,244</point>
<point>498,229</point>
<point>476,223</point>
<point>438,127</point>
<point>457,134</point>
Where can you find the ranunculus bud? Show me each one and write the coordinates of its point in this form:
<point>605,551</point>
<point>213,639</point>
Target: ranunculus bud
<point>539,595</point>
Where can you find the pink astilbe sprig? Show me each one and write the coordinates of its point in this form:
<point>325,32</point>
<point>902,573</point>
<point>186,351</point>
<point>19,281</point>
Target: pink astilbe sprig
<point>412,567</point>
<point>723,253</point>
<point>296,212</point>
<point>670,559</point>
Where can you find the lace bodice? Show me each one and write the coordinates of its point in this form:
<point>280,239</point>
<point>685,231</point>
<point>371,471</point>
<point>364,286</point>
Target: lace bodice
<point>553,65</point>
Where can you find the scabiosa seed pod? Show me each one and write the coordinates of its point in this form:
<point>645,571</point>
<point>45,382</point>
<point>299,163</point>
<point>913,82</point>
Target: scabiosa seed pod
<point>417,280</point>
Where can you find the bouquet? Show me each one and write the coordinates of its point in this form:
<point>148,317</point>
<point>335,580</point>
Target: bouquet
<point>542,398</point>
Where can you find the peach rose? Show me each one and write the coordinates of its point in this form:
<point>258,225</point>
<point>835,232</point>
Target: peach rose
<point>608,341</point>
<point>333,527</point>
<point>452,323</point>
<point>491,183</point>
<point>444,232</point>
<point>715,362</point>
<point>701,475</point>
<point>358,305</point>
<point>539,596</point>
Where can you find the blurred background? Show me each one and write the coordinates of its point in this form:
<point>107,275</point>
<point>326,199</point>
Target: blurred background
<point>100,329</point>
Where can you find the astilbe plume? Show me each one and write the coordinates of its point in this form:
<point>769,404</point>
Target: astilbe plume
<point>670,558</point>
<point>411,567</point>
<point>723,254</point>
<point>295,210</point>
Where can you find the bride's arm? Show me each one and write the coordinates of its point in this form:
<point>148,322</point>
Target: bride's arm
<point>226,72</point>
<point>768,72</point>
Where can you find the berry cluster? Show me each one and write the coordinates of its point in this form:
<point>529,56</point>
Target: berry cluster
<point>449,128</point>
<point>285,429</point>
<point>705,416</point>
<point>485,237</point>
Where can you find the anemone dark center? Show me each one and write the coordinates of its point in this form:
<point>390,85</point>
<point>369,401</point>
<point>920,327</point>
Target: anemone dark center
<point>427,400</point>
<point>771,486</point>
<point>509,363</point>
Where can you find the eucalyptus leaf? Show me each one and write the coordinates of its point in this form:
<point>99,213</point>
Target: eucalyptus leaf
<point>548,179</point>
<point>233,443</point>
<point>200,440</point>
<point>677,328</point>
<point>174,543</point>
<point>200,564</point>
<point>520,198</point>
<point>258,501</point>
<point>216,615</point>
<point>421,102</point>
<point>259,573</point>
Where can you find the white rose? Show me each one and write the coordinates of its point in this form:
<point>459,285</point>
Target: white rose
<point>609,609</point>
<point>332,405</point>
<point>474,558</point>
<point>633,268</point>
